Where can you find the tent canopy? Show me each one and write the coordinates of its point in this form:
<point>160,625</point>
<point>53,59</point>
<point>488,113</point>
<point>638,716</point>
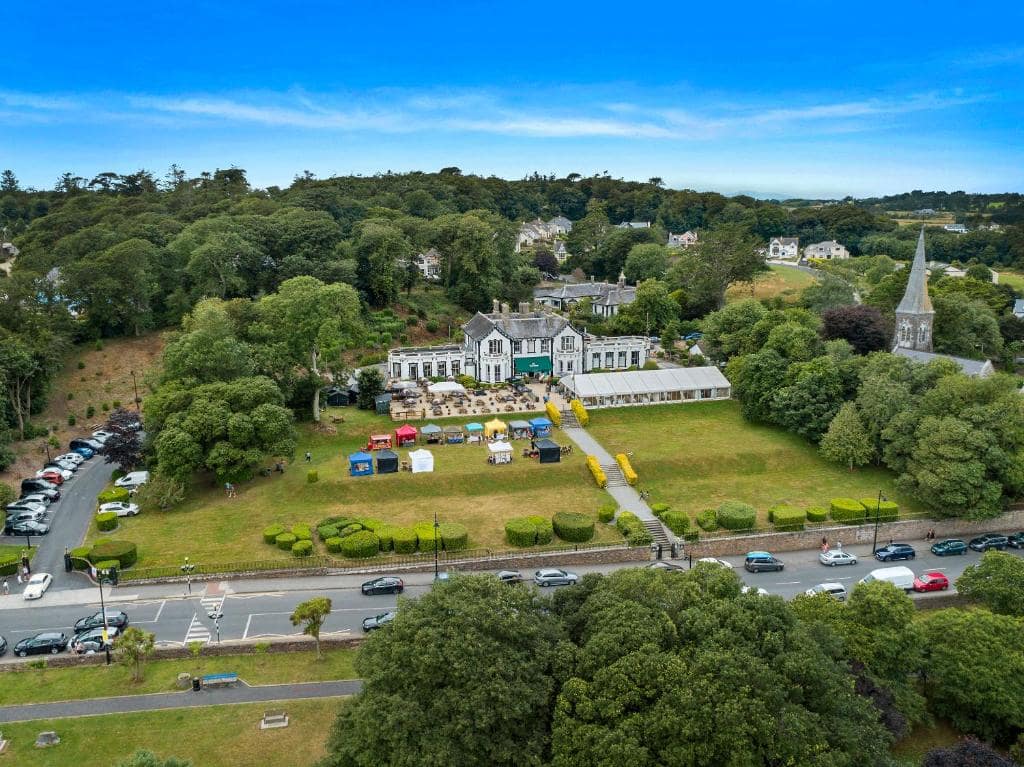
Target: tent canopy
<point>499,447</point>
<point>403,385</point>
<point>405,433</point>
<point>360,464</point>
<point>548,451</point>
<point>446,387</point>
<point>421,461</point>
<point>453,429</point>
<point>387,462</point>
<point>540,422</point>
<point>519,425</point>
<point>431,428</point>
<point>474,427</point>
<point>360,457</point>
<point>634,382</point>
<point>495,426</point>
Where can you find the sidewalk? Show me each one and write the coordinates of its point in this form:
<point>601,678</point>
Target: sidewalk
<point>627,497</point>
<point>243,693</point>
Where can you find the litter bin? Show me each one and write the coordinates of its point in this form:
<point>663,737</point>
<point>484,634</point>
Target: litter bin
<point>197,684</point>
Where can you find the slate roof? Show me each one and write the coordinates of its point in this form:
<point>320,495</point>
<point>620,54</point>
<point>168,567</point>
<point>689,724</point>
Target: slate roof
<point>602,293</point>
<point>976,368</point>
<point>514,325</point>
<point>916,299</point>
<point>1018,306</point>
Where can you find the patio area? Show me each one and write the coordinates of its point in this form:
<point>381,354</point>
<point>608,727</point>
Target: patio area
<point>419,403</point>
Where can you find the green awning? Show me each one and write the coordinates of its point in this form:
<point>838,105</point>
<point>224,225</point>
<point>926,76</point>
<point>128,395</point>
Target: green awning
<point>533,365</point>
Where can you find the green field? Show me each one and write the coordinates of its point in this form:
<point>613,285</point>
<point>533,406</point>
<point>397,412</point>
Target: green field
<point>463,488</point>
<point>783,281</point>
<point>220,736</point>
<point>1014,279</point>
<point>30,685</point>
<point>694,456</point>
<point>911,750</point>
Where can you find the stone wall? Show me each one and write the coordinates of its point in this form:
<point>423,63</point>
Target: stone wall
<point>905,530</point>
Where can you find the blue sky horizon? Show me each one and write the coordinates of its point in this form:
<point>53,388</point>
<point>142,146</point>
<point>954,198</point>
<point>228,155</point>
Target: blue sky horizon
<point>807,100</point>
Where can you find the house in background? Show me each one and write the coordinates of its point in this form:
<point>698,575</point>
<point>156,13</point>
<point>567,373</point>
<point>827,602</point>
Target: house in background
<point>955,228</point>
<point>606,298</point>
<point>561,254</point>
<point>684,240</point>
<point>1018,308</point>
<point>634,225</point>
<point>531,232</point>
<point>429,264</point>
<point>829,251</point>
<point>784,248</point>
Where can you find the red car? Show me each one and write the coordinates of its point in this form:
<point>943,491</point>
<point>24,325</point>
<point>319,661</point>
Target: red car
<point>52,476</point>
<point>931,582</point>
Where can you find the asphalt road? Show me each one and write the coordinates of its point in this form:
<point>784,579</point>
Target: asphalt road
<point>260,609</point>
<point>69,520</point>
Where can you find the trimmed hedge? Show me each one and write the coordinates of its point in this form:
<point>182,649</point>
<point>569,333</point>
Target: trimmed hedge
<point>360,545</point>
<point>371,524</point>
<point>285,541</point>
<point>349,529</point>
<point>545,530</point>
<point>676,521</point>
<point>848,511</point>
<point>312,476</point>
<point>333,544</point>
<point>79,554</point>
<point>520,532</point>
<point>659,509</point>
<point>454,536</point>
<point>404,540</point>
<point>113,495</point>
<point>606,513</point>
<point>385,534</point>
<point>572,526</point>
<point>595,468</point>
<point>735,515</point>
<point>632,529</point>
<point>327,531</point>
<point>302,532</point>
<point>707,520</point>
<point>553,413</point>
<point>125,552</point>
<point>107,564</point>
<point>786,518</point>
<point>817,514</point>
<point>888,511</point>
<point>641,538</point>
<point>302,548</point>
<point>106,521</point>
<point>580,412</point>
<point>425,533</point>
<point>271,532</point>
<point>627,469</point>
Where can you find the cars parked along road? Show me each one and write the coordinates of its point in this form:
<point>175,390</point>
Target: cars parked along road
<point>836,557</point>
<point>47,642</point>
<point>387,584</point>
<point>895,551</point>
<point>989,541</point>
<point>949,546</point>
<point>762,562</point>
<point>553,577</point>
<point>931,581</point>
<point>379,621</point>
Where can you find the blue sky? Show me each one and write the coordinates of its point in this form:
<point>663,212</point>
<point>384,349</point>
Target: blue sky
<point>795,98</point>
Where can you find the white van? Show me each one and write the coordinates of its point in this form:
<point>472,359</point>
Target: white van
<point>900,577</point>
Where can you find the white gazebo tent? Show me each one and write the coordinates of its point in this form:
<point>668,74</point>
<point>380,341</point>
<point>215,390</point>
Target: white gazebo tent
<point>421,460</point>
<point>446,387</point>
<point>501,452</point>
<point>647,387</point>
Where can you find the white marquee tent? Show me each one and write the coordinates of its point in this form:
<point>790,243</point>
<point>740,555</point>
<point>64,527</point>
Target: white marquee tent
<point>501,452</point>
<point>421,460</point>
<point>446,387</point>
<point>647,387</point>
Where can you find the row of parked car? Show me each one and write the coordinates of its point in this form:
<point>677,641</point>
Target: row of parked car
<point>86,636</point>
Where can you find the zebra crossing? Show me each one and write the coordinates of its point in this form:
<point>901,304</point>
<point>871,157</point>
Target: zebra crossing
<point>197,630</point>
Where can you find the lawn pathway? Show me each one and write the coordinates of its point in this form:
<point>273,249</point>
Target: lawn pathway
<point>626,496</point>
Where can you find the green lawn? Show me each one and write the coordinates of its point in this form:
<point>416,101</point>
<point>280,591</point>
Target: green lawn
<point>43,685</point>
<point>783,281</point>
<point>217,736</point>
<point>463,488</point>
<point>1014,279</point>
<point>911,750</point>
<point>694,456</point>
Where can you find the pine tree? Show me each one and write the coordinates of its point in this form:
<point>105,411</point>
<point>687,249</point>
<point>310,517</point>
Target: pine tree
<point>847,441</point>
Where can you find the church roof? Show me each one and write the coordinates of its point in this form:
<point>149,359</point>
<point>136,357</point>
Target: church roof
<point>975,368</point>
<point>916,300</point>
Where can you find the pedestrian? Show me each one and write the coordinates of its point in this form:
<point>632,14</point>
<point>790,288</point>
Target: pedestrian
<point>26,565</point>
<point>824,542</point>
<point>839,545</point>
<point>6,587</point>
<point>25,573</point>
<point>19,577</point>
<point>931,535</point>
<point>227,489</point>
<point>309,456</point>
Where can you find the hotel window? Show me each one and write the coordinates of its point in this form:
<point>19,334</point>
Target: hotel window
<point>622,359</point>
<point>568,365</point>
<point>517,347</point>
<point>427,369</point>
<point>531,346</point>
<point>396,370</point>
<point>596,360</point>
<point>494,347</point>
<point>442,369</point>
<point>545,345</point>
<point>568,343</point>
<point>609,359</point>
<point>455,367</point>
<point>634,358</point>
<point>414,371</point>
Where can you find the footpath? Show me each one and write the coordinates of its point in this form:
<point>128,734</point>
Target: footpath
<point>160,701</point>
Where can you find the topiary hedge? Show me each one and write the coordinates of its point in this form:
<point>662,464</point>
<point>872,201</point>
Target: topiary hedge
<point>333,544</point>
<point>302,532</point>
<point>125,552</point>
<point>285,541</point>
<point>327,531</point>
<point>572,526</point>
<point>302,548</point>
<point>107,564</point>
<point>735,515</point>
<point>707,520</point>
<point>349,529</point>
<point>606,513</point>
<point>659,509</point>
<point>545,530</point>
<point>848,511</point>
<point>385,534</point>
<point>598,473</point>
<point>454,536</point>
<point>786,518</point>
<point>520,532</point>
<point>404,540</point>
<point>817,514</point>
<point>641,538</point>
<point>676,521</point>
<point>360,545</point>
<point>425,534</point>
<point>627,522</point>
<point>887,510</point>
<point>106,521</point>
<point>271,532</point>
<point>79,557</point>
<point>627,469</point>
<point>113,495</point>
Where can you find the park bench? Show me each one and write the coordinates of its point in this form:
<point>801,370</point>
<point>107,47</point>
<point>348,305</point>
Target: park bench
<point>220,680</point>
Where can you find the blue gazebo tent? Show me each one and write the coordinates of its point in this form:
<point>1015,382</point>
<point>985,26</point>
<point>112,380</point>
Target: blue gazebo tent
<point>431,433</point>
<point>541,427</point>
<point>475,431</point>
<point>387,462</point>
<point>360,464</point>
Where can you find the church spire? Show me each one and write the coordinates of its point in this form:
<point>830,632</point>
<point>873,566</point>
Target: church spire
<point>914,315</point>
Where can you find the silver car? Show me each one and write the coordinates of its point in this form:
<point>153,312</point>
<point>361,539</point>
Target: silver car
<point>835,590</point>
<point>553,577</point>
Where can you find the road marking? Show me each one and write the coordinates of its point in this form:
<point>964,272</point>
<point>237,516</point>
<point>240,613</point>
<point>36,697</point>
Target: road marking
<point>245,634</point>
<point>787,583</point>
<point>162,605</point>
<point>197,632</point>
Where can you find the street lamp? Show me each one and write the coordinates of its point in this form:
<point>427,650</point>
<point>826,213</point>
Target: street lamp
<point>187,568</point>
<point>215,617</point>
<point>436,526</point>
<point>103,611</point>
<point>878,509</point>
<point>135,385</point>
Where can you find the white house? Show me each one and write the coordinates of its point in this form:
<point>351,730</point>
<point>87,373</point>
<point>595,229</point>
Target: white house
<point>684,240</point>
<point>634,225</point>
<point>606,298</point>
<point>429,264</point>
<point>956,228</point>
<point>828,251</point>
<point>784,248</point>
<point>561,254</point>
<point>534,231</point>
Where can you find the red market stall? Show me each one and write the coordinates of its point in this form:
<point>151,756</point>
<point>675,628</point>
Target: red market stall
<point>405,435</point>
<point>379,442</point>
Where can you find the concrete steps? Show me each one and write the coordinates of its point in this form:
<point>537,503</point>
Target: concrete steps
<point>569,420</point>
<point>615,476</point>
<point>657,531</point>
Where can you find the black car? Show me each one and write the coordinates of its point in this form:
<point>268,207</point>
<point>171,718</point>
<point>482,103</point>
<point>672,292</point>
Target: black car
<point>115,618</point>
<point>39,485</point>
<point>1016,540</point>
<point>27,527</point>
<point>379,621</point>
<point>895,551</point>
<point>762,561</point>
<point>3,645</point>
<point>386,584</point>
<point>989,541</point>
<point>47,642</point>
<point>666,566</point>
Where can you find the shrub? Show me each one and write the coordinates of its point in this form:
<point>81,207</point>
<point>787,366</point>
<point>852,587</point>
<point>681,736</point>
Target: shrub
<point>104,407</point>
<point>360,545</point>
<point>80,556</point>
<point>370,524</point>
<point>734,515</point>
<point>116,404</point>
<point>887,510</point>
<point>349,529</point>
<point>786,518</point>
<point>606,513</point>
<point>312,476</point>
<point>545,530</point>
<point>849,511</point>
<point>125,553</point>
<point>285,541</point>
<point>707,520</point>
<point>425,534</point>
<point>817,514</point>
<point>572,526</point>
<point>404,540</point>
<point>552,413</point>
<point>303,548</point>
<point>113,494</point>
<point>454,536</point>
<point>627,469</point>
<point>106,521</point>
<point>327,531</point>
<point>659,509</point>
<point>432,326</point>
<point>72,420</point>
<point>641,538</point>
<point>580,412</point>
<point>90,411</point>
<point>333,544</point>
<point>633,529</point>
<point>595,468</point>
<point>116,474</point>
<point>107,564</point>
<point>271,532</point>
<point>412,321</point>
<point>81,365</point>
<point>302,532</point>
<point>385,534</point>
<point>676,521</point>
<point>99,345</point>
<point>520,532</point>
